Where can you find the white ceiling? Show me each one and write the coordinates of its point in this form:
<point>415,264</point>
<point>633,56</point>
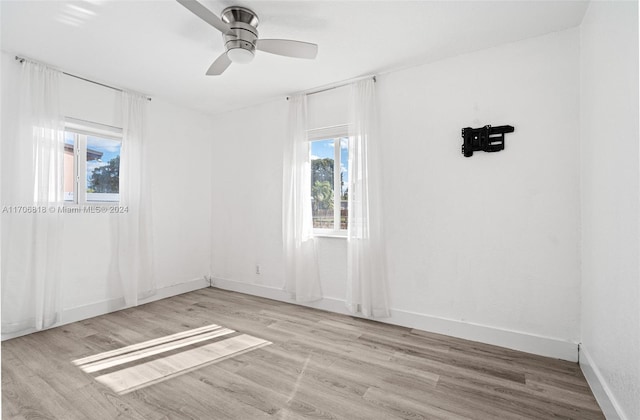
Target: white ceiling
<point>159,48</point>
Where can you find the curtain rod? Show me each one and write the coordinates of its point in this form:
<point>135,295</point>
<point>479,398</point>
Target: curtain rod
<point>22,60</point>
<point>336,86</point>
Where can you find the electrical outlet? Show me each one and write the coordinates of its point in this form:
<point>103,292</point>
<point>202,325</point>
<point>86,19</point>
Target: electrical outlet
<point>257,268</point>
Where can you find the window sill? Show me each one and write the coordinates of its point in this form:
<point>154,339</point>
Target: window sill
<point>330,236</point>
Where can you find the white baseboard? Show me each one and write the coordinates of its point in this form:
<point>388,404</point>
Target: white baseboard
<point>111,305</point>
<point>530,343</point>
<point>601,391</point>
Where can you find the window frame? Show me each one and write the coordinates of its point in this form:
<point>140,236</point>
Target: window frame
<point>82,129</point>
<point>335,133</point>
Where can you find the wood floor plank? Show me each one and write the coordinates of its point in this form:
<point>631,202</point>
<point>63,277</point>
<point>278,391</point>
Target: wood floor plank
<point>232,387</point>
<point>57,371</point>
<point>129,356</point>
<point>516,401</point>
<point>154,371</point>
<point>287,414</point>
<point>306,390</point>
<point>315,371</point>
<point>331,343</point>
<point>506,373</point>
<point>562,395</point>
<point>526,362</point>
<point>532,392</point>
<point>35,397</point>
<point>72,386</point>
<point>575,382</point>
<point>146,344</point>
<point>408,409</point>
<point>320,365</point>
<point>195,400</point>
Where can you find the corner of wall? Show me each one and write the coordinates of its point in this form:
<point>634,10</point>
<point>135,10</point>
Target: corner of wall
<point>603,394</point>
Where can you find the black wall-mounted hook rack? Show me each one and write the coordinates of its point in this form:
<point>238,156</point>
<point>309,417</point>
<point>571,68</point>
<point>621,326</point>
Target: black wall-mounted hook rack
<point>485,139</point>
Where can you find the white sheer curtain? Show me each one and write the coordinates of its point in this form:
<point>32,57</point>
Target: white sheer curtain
<point>32,168</point>
<point>302,280</point>
<point>133,244</point>
<point>366,268</point>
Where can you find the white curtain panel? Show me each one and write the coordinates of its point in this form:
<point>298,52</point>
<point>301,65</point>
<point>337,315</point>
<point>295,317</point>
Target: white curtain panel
<point>32,168</point>
<point>366,258</point>
<point>133,241</point>
<point>302,278</point>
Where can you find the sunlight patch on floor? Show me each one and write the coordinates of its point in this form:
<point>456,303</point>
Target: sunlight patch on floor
<point>139,365</point>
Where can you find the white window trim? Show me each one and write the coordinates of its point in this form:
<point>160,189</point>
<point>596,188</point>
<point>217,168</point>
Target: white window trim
<point>81,129</point>
<point>330,233</point>
<point>93,129</point>
<point>335,132</point>
<point>325,133</point>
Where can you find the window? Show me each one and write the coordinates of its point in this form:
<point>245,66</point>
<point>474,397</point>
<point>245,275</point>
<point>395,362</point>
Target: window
<point>91,163</point>
<point>329,184</point>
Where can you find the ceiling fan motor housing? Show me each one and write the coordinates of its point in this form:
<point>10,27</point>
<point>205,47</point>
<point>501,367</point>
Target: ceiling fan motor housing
<point>239,27</point>
<point>244,32</point>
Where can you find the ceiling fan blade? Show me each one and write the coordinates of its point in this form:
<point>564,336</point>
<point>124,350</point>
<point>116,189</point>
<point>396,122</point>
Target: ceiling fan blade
<point>287,47</point>
<point>219,66</point>
<point>205,14</point>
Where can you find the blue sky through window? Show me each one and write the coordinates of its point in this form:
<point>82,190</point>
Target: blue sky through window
<point>322,149</point>
<point>325,149</point>
<point>107,149</point>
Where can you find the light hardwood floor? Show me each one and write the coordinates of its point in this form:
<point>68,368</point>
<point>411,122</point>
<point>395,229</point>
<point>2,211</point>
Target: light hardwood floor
<point>319,365</point>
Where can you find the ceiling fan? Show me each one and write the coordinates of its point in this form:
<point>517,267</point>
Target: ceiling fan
<point>239,31</point>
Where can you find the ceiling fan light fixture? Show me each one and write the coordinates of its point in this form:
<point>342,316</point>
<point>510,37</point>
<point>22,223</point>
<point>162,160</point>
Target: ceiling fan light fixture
<point>240,55</point>
<point>239,28</point>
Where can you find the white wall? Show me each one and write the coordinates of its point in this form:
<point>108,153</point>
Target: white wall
<point>180,149</point>
<point>247,198</point>
<point>610,206</point>
<point>247,194</point>
<point>181,178</point>
<point>491,240</point>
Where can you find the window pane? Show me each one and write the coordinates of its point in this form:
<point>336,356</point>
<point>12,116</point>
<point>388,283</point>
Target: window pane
<point>344,181</point>
<point>322,167</point>
<point>69,165</point>
<point>103,169</point>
